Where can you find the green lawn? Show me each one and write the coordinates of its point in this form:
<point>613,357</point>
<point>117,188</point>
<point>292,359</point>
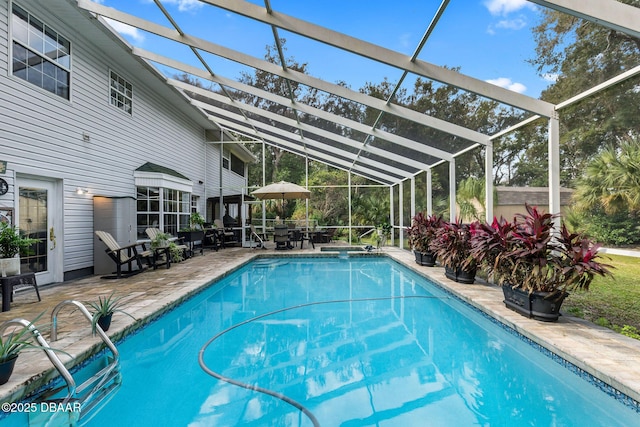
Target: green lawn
<point>613,302</point>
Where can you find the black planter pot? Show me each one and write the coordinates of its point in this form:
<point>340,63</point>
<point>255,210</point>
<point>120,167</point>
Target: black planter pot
<point>460,275</point>
<point>536,305</point>
<point>105,322</point>
<point>427,259</point>
<point>6,369</point>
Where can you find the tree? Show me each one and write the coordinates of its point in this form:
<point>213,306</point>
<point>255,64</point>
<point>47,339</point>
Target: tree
<point>607,197</point>
<point>582,54</point>
<point>275,157</point>
<point>612,179</point>
<point>329,196</point>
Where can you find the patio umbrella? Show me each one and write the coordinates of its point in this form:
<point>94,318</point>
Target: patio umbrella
<point>282,190</point>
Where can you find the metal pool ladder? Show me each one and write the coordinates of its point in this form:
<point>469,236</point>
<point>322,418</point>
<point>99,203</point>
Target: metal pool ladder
<point>81,400</point>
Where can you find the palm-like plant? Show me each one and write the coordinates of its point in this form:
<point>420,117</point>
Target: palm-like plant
<point>17,340</point>
<point>452,244</point>
<point>612,179</point>
<point>423,230</point>
<point>104,308</point>
<point>470,195</point>
<point>529,254</point>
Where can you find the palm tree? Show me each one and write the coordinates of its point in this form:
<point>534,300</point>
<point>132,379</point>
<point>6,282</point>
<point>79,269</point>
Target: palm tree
<point>612,179</point>
<point>471,198</point>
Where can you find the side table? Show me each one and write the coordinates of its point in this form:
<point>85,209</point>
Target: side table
<point>17,281</point>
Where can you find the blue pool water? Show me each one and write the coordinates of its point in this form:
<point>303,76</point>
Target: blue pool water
<point>364,342</point>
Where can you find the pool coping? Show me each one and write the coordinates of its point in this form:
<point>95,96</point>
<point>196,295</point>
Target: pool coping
<point>603,354</point>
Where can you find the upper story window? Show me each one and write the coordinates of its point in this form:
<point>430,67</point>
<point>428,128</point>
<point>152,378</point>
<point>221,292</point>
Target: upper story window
<point>226,158</point>
<point>232,162</point>
<point>41,56</point>
<point>237,165</point>
<point>121,93</point>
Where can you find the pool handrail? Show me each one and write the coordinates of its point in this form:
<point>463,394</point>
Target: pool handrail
<point>102,377</point>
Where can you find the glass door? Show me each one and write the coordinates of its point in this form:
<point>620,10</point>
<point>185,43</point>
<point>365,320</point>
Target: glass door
<point>36,213</point>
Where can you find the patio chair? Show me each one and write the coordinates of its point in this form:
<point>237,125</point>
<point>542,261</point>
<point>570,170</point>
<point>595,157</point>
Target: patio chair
<point>281,236</point>
<point>162,255</point>
<point>226,236</point>
<point>211,239</point>
<point>122,255</point>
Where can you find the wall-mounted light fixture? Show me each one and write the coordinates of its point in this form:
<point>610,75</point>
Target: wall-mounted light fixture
<point>80,191</point>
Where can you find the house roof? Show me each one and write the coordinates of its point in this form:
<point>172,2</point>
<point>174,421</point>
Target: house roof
<point>363,149</point>
<point>531,195</point>
<point>152,167</point>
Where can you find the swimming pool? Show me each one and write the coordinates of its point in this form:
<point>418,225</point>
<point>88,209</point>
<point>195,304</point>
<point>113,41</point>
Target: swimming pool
<point>357,341</point>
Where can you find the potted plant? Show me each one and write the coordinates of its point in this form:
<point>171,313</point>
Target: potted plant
<point>103,310</point>
<point>11,345</point>
<point>536,264</point>
<point>194,233</point>
<point>197,221</point>
<point>422,231</point>
<point>11,244</point>
<point>452,246</point>
<point>161,240</point>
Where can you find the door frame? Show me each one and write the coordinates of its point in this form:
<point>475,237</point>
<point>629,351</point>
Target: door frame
<point>55,214</point>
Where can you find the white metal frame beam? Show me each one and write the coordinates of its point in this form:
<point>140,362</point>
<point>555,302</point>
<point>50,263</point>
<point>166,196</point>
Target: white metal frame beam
<point>609,13</point>
<point>293,123</point>
<point>305,142</point>
<point>383,55</point>
<point>352,124</point>
<point>254,128</point>
<point>302,78</point>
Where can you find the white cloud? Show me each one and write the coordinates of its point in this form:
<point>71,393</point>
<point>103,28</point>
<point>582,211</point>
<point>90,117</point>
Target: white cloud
<point>550,77</point>
<point>504,7</point>
<point>405,40</point>
<point>126,30</point>
<point>184,5</point>
<point>508,24</point>
<point>512,24</point>
<point>506,83</point>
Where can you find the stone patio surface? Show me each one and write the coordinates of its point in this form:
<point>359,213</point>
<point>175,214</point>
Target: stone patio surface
<point>608,356</point>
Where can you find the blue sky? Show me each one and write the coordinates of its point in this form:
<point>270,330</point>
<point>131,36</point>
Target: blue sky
<point>489,39</point>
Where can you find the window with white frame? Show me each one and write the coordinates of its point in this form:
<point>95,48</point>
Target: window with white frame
<point>121,93</point>
<point>226,158</point>
<point>195,200</point>
<point>176,210</point>
<point>41,56</point>
<point>163,208</point>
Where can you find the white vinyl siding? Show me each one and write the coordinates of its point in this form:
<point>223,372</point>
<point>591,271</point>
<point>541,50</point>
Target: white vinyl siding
<point>42,134</point>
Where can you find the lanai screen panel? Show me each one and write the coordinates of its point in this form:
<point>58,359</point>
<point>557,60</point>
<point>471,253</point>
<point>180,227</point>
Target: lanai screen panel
<point>237,32</point>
